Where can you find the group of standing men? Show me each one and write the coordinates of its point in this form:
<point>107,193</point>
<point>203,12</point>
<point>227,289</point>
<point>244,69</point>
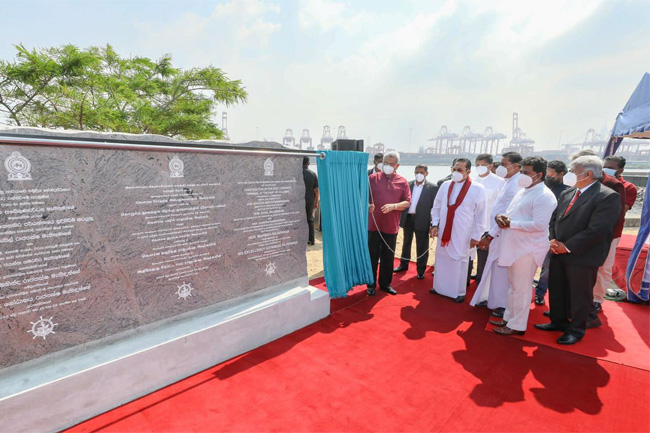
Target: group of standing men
<point>520,216</point>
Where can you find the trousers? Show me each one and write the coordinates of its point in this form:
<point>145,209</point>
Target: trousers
<point>520,293</point>
<point>421,245</point>
<point>605,273</point>
<point>571,292</point>
<point>379,250</point>
<point>310,220</point>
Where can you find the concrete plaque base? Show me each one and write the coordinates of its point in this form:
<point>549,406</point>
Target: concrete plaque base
<point>57,392</point>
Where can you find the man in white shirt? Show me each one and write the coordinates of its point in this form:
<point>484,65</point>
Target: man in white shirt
<point>493,287</point>
<point>416,220</point>
<point>493,185</point>
<point>458,220</point>
<point>524,242</point>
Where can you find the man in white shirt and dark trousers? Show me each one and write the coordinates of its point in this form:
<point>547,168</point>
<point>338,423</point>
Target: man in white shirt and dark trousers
<point>493,185</point>
<point>524,242</point>
<point>417,219</point>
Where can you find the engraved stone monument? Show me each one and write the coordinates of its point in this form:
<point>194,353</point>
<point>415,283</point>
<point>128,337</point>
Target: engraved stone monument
<point>151,261</point>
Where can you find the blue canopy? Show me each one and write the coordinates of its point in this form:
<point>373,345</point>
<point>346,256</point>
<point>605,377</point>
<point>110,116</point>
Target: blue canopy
<point>634,120</point>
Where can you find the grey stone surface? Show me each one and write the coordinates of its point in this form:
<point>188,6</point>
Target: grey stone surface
<point>125,137</point>
<point>95,242</point>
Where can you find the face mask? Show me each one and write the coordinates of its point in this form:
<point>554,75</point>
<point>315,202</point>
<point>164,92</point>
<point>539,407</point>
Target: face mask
<point>502,171</point>
<point>457,176</point>
<point>570,179</point>
<point>380,166</point>
<point>419,177</point>
<point>524,181</point>
<point>388,169</point>
<point>481,170</point>
<point>610,171</point>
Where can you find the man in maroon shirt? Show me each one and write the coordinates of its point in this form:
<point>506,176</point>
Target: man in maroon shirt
<point>614,165</point>
<point>390,194</point>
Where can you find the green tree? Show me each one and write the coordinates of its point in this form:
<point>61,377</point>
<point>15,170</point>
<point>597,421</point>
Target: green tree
<point>96,89</point>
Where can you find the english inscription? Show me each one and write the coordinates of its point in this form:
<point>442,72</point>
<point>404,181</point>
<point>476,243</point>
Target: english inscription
<point>94,242</point>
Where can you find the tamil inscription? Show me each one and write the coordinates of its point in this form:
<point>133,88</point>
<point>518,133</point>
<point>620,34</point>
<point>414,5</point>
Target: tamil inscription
<point>96,242</point>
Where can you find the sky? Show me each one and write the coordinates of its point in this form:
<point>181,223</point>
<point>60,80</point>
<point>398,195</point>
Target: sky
<point>391,71</point>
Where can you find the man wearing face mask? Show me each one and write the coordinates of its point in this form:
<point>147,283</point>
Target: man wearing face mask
<point>554,174</point>
<point>417,219</point>
<point>458,220</point>
<point>614,165</point>
<point>581,232</point>
<point>493,287</point>
<point>605,271</point>
<point>524,242</point>
<point>493,185</point>
<point>389,196</point>
<point>379,163</point>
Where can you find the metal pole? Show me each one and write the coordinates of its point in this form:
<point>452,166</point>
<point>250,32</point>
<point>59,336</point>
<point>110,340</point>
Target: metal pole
<point>30,141</point>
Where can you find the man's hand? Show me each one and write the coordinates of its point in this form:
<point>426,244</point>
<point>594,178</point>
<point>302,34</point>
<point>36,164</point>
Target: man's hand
<point>389,207</point>
<point>484,243</point>
<point>371,208</point>
<point>434,232</point>
<point>473,243</point>
<point>316,204</point>
<point>502,221</point>
<point>558,247</point>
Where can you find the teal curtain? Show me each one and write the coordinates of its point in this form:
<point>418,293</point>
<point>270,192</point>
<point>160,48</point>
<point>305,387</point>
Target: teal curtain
<point>343,188</point>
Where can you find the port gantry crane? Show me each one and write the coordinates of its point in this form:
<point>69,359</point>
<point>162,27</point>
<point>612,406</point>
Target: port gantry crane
<point>519,142</point>
<point>597,142</point>
<point>326,139</point>
<point>288,139</point>
<point>443,142</point>
<point>305,140</point>
<point>469,142</point>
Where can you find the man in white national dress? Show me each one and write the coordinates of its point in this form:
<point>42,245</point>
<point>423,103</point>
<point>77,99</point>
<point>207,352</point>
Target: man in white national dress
<point>458,218</point>
<point>493,185</point>
<point>492,291</point>
<point>524,242</point>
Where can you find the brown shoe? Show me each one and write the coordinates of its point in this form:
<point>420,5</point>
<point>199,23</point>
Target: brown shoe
<point>507,331</point>
<point>498,323</point>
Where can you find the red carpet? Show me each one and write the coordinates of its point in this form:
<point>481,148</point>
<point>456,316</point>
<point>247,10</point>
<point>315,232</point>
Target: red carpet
<point>411,362</point>
<point>624,337</point>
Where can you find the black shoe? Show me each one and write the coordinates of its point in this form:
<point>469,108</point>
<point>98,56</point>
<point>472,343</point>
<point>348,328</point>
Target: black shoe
<point>539,300</point>
<point>433,292</point>
<point>498,312</point>
<point>598,307</point>
<point>421,276</point>
<point>401,268</point>
<point>459,299</point>
<point>594,323</point>
<point>568,339</point>
<point>389,290</point>
<point>547,327</point>
<point>547,313</point>
<point>482,304</point>
<point>370,291</point>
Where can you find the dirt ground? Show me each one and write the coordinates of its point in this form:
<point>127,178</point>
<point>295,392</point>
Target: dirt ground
<point>315,252</point>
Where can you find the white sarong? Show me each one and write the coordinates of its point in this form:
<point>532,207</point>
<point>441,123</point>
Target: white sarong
<point>493,287</point>
<point>450,276</point>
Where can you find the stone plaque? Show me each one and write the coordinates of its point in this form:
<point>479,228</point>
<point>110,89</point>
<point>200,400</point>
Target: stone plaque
<point>95,242</point>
